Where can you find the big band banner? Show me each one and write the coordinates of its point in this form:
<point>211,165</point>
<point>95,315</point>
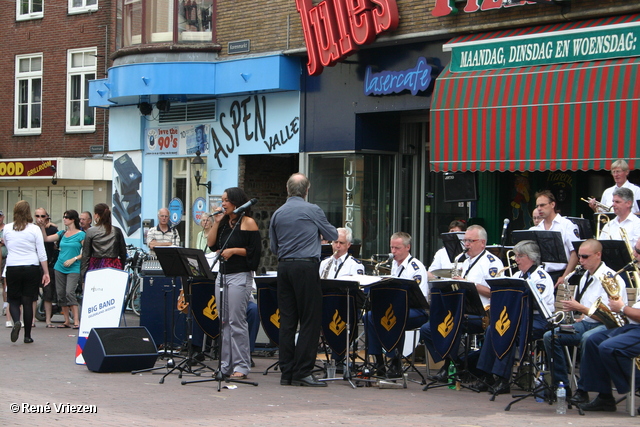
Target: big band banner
<point>104,291</point>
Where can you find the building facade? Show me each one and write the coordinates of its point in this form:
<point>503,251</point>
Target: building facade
<point>54,147</point>
<point>359,98</point>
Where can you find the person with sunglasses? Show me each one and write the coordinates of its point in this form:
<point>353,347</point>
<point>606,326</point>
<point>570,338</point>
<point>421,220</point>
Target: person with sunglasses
<point>585,294</point>
<point>49,292</point>
<point>67,267</point>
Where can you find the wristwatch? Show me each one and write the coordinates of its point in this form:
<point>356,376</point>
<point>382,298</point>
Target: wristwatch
<point>622,310</point>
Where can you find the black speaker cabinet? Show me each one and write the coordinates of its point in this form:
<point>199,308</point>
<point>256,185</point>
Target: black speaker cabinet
<point>460,187</point>
<point>119,349</point>
<point>160,314</point>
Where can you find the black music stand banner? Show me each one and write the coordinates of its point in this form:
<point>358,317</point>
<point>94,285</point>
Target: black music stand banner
<point>509,314</point>
<point>391,299</point>
<point>453,244</point>
<point>336,315</point>
<point>450,301</point>
<point>268,306</point>
<point>205,307</point>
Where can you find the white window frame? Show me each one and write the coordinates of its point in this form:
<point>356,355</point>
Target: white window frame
<point>30,14</point>
<point>81,71</point>
<point>84,8</point>
<point>30,76</point>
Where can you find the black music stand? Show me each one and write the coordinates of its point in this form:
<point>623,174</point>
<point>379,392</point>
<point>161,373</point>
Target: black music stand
<point>615,255</point>
<point>549,242</point>
<point>189,264</point>
<point>452,244</point>
<point>473,306</point>
<point>346,288</point>
<point>416,299</point>
<point>584,226</point>
<point>268,284</point>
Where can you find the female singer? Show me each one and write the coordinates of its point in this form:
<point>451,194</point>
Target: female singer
<point>240,238</point>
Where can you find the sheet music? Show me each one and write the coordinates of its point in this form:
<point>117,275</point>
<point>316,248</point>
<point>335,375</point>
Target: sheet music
<point>362,279</point>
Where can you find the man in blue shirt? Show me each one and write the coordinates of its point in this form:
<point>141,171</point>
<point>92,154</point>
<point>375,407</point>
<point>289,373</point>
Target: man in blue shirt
<point>295,233</point>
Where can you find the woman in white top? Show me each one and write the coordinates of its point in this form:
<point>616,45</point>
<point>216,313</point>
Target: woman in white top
<point>26,267</point>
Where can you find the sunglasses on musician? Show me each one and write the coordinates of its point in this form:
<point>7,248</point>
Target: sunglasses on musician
<point>583,256</point>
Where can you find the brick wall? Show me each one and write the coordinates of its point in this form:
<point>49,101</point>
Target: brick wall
<point>52,35</point>
<point>266,180</point>
<point>275,25</point>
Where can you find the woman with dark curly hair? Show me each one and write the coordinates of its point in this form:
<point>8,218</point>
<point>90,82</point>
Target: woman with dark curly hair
<point>240,237</point>
<point>26,267</point>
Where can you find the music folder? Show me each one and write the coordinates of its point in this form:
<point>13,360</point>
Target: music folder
<point>472,303</point>
<point>183,262</point>
<point>550,244</point>
<point>453,244</point>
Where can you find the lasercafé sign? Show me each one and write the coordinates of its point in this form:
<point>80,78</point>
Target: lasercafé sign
<point>334,29</point>
<point>416,79</point>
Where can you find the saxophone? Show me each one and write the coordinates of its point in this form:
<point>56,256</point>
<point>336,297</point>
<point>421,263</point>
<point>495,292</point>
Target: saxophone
<point>599,309</point>
<point>570,319</point>
<point>325,272</point>
<point>456,271</point>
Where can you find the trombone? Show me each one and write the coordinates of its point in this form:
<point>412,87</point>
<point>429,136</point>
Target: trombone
<point>634,275</point>
<point>601,221</point>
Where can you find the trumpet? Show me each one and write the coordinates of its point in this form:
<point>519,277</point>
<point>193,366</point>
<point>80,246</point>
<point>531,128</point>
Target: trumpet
<point>598,204</point>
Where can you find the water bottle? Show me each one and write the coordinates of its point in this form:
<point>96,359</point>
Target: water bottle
<point>452,374</point>
<point>561,402</point>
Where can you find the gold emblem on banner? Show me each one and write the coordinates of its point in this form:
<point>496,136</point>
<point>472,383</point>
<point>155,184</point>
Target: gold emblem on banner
<point>337,325</point>
<point>211,310</point>
<point>275,318</point>
<point>446,326</point>
<point>503,323</point>
<point>389,320</point>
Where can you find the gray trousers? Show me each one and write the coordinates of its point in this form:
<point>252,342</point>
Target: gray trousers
<point>235,353</point>
<point>66,285</point>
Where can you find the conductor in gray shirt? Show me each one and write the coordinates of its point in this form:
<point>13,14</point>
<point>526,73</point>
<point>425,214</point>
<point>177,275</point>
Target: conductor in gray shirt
<point>295,232</point>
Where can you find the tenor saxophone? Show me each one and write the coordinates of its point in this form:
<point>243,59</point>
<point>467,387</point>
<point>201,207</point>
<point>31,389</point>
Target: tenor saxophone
<point>570,319</point>
<point>600,309</point>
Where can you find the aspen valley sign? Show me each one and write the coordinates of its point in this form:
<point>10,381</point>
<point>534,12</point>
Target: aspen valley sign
<point>334,29</point>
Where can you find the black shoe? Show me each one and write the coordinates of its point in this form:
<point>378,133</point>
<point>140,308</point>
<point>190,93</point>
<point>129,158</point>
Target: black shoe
<point>284,381</point>
<point>308,381</point>
<point>199,356</point>
<point>600,404</point>
<point>502,387</point>
<point>28,340</point>
<point>380,370</point>
<point>253,365</point>
<point>443,374</point>
<point>15,332</point>
<point>483,384</point>
<point>579,397</point>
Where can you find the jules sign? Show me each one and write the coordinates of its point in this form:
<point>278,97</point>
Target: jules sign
<point>334,29</point>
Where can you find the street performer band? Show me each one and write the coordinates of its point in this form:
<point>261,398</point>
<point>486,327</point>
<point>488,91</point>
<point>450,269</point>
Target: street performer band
<point>516,293</point>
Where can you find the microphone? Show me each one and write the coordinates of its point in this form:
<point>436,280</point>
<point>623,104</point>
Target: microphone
<point>245,206</point>
<point>217,213</point>
<point>504,230</point>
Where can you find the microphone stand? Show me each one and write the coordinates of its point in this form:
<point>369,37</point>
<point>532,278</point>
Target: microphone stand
<point>218,376</point>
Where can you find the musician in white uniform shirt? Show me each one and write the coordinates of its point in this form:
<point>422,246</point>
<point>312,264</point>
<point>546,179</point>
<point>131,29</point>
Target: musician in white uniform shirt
<point>586,293</point>
<point>441,258</point>
<point>552,221</point>
<point>341,263</point>
<point>623,199</point>
<point>620,173</point>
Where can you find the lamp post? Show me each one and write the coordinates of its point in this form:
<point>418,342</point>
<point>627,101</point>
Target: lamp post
<point>199,164</point>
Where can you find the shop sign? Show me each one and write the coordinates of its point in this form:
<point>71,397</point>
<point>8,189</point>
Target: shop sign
<point>585,44</point>
<point>26,168</point>
<point>448,7</point>
<point>416,79</point>
<point>334,29</point>
<point>178,140</point>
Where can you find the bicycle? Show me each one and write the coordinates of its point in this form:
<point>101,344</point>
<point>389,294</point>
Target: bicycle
<point>134,286</point>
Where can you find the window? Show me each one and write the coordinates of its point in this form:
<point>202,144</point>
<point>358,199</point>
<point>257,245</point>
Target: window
<point>82,6</point>
<point>81,67</point>
<point>28,111</point>
<point>29,9</point>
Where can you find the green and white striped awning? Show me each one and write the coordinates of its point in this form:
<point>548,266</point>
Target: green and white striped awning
<point>558,116</point>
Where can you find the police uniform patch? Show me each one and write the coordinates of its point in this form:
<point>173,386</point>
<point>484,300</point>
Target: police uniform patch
<point>418,279</point>
<point>490,257</point>
<point>540,287</point>
<point>542,274</point>
<point>360,271</point>
<point>356,260</point>
<point>493,271</point>
<point>575,231</point>
<point>415,265</point>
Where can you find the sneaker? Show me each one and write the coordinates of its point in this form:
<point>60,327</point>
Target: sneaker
<point>15,331</point>
<point>9,324</point>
